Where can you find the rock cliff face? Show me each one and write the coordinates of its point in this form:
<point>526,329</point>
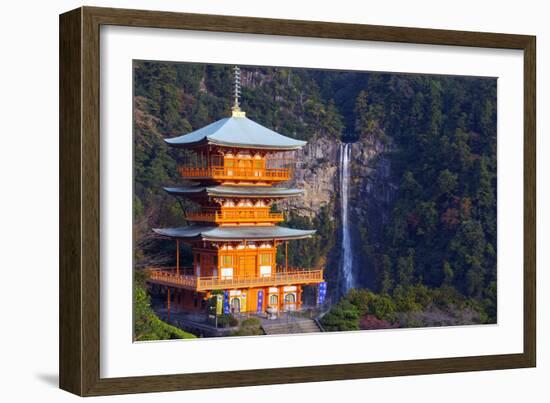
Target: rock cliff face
<point>371,194</point>
<point>318,173</point>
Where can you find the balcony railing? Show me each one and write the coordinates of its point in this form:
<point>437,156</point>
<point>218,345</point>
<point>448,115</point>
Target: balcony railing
<point>244,215</point>
<point>169,277</point>
<point>231,173</point>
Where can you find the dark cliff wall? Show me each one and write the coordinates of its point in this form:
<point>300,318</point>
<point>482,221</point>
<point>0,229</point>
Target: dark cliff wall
<point>370,201</point>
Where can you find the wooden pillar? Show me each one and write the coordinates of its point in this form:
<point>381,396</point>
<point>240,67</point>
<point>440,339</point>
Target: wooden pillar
<point>178,257</point>
<point>286,256</point>
<point>168,302</point>
<point>219,264</point>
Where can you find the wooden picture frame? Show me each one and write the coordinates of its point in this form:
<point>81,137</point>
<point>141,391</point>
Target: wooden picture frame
<point>80,184</point>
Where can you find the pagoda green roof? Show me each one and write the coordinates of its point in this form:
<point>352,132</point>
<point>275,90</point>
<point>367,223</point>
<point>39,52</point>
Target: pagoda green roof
<point>237,131</point>
<point>234,191</point>
<point>252,233</point>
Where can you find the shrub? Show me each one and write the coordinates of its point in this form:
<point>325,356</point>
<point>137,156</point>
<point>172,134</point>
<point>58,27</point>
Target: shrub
<point>446,296</point>
<point>362,299</point>
<point>227,320</point>
<point>342,316</point>
<point>147,326</point>
<point>249,327</point>
<point>251,322</point>
<point>422,295</point>
<point>405,299</point>
<point>383,308</point>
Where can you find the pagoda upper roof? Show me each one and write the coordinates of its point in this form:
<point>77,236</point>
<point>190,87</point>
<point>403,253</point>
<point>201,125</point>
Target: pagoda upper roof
<point>234,191</point>
<point>252,233</point>
<point>237,131</point>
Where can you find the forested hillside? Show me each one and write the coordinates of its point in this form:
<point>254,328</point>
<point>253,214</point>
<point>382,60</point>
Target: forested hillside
<point>441,137</point>
<point>437,134</point>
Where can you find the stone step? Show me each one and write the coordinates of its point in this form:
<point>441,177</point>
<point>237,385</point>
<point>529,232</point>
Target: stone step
<point>301,326</point>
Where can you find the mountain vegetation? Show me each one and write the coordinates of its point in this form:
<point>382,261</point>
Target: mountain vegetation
<point>147,325</point>
<point>435,259</point>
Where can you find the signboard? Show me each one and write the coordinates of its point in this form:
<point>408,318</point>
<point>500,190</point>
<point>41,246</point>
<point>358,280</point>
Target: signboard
<point>260,301</point>
<point>322,293</point>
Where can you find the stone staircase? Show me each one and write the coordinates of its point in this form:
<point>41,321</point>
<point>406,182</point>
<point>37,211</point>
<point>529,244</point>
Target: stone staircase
<point>296,325</point>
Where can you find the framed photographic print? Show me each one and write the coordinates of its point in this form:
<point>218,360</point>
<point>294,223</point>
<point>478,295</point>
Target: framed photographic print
<point>250,201</point>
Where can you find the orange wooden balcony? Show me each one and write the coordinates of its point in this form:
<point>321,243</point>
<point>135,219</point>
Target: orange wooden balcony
<point>236,174</point>
<point>237,215</point>
<point>168,277</point>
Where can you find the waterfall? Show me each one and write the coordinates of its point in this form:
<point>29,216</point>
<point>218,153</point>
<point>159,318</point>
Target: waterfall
<point>346,265</point>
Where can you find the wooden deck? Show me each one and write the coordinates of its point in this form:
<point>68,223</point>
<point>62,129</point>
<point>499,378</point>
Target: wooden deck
<point>168,277</point>
<point>238,174</point>
<point>239,215</point>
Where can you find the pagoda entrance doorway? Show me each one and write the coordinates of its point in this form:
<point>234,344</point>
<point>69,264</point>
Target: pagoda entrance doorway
<point>290,302</point>
<point>274,300</point>
<point>236,305</point>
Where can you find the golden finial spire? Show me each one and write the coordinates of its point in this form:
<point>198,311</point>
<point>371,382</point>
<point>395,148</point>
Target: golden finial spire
<point>236,109</point>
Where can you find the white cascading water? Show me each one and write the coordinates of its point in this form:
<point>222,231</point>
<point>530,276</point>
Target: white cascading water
<point>346,266</point>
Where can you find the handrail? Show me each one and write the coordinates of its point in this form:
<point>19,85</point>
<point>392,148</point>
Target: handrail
<point>242,214</point>
<point>223,172</point>
<point>168,277</point>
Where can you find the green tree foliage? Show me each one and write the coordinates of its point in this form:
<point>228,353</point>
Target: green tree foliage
<point>310,252</point>
<point>405,269</point>
<point>443,135</point>
<point>147,326</point>
<point>406,306</point>
<point>366,126</point>
<point>332,121</point>
<point>342,316</point>
<point>386,276</point>
<point>439,136</point>
<point>227,320</point>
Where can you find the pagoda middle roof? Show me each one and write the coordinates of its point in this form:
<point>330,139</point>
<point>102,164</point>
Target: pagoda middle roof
<point>234,191</point>
<point>253,233</point>
<point>237,131</point>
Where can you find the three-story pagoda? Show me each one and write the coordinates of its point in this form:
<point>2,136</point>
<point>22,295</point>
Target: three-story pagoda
<point>234,236</point>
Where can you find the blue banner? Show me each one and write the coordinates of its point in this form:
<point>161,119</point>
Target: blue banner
<point>226,309</point>
<point>322,293</point>
<point>260,301</point>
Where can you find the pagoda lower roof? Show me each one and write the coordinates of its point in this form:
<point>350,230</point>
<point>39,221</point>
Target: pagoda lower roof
<point>252,233</point>
<point>237,131</point>
<point>234,191</point>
